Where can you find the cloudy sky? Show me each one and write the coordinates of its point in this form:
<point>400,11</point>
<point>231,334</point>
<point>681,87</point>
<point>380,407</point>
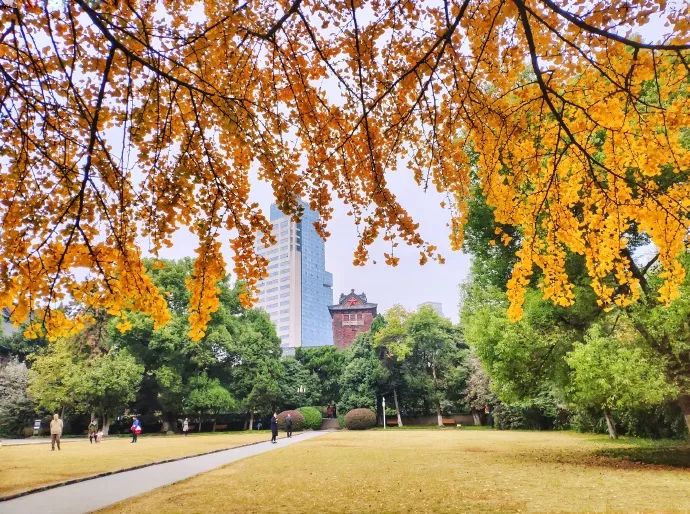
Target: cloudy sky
<point>407,284</point>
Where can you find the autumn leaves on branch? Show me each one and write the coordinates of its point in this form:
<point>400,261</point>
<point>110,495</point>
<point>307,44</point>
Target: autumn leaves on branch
<point>124,121</point>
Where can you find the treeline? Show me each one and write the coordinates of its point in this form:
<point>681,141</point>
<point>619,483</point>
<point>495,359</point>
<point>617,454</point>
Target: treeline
<point>618,368</point>
<point>615,369</point>
<point>119,367</point>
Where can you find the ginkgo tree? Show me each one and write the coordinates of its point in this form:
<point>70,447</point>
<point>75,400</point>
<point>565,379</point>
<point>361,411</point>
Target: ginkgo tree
<point>123,121</point>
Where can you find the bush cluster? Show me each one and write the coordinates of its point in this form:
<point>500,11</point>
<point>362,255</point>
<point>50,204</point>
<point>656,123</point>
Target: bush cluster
<point>360,419</point>
<point>297,420</point>
<point>312,417</point>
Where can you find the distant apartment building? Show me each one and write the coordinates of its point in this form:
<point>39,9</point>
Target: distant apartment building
<point>438,307</point>
<point>298,289</point>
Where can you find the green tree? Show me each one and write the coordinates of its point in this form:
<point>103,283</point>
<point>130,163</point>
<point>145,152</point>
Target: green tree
<point>394,345</point>
<point>665,332</point>
<point>327,363</point>
<point>522,358</point>
<point>16,346</point>
<point>54,376</point>
<point>362,376</point>
<point>231,350</point>
<point>16,406</point>
<point>608,374</point>
<point>477,393</point>
<point>65,375</point>
<point>207,397</point>
<point>166,355</point>
<point>438,357</point>
<point>299,386</point>
<point>110,383</point>
<point>251,361</point>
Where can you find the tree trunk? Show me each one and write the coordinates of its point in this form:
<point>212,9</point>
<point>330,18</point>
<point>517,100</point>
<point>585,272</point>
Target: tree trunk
<point>199,422</point>
<point>251,421</point>
<point>610,424</point>
<point>438,404</point>
<point>214,424</point>
<point>477,419</point>
<point>106,425</point>
<point>684,402</point>
<point>166,427</point>
<point>397,406</point>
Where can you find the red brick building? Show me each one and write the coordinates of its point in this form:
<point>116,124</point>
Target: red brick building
<point>351,316</point>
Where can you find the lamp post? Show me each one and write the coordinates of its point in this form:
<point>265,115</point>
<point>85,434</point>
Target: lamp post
<point>383,402</point>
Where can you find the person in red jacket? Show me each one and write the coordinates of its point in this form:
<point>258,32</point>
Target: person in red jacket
<point>136,429</point>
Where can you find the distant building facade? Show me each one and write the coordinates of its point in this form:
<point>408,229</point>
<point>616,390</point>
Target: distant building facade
<point>352,315</point>
<point>298,290</point>
<point>438,307</point>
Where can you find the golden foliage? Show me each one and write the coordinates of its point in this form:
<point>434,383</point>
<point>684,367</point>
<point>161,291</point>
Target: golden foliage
<point>123,121</point>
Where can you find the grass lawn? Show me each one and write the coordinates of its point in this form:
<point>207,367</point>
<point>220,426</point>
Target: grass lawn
<point>437,471</point>
<point>28,466</point>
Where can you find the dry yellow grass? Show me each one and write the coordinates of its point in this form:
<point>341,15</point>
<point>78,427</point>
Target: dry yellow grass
<point>429,471</point>
<point>28,466</point>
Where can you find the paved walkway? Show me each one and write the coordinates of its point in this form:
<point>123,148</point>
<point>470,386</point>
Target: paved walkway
<point>97,493</point>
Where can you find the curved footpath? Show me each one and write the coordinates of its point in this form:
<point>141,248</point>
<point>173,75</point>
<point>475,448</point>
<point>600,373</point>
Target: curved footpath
<point>96,493</point>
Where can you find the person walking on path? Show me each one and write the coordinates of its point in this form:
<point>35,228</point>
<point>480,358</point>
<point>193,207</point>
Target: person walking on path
<point>274,428</point>
<point>185,426</point>
<point>136,429</point>
<point>288,425</point>
<point>55,432</point>
<point>93,431</point>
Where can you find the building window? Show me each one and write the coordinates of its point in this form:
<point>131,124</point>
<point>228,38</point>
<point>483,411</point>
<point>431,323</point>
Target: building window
<point>354,319</point>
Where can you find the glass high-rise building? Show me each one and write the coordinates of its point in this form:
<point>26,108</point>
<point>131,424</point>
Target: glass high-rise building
<point>298,289</point>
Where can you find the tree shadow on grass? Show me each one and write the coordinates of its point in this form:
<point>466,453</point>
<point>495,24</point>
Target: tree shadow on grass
<point>677,456</point>
<point>619,455</point>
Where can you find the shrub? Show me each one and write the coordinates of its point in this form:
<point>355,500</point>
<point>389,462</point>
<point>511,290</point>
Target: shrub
<point>312,417</point>
<point>360,419</point>
<point>297,420</point>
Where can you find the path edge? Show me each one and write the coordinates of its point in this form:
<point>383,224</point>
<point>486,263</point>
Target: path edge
<point>71,481</point>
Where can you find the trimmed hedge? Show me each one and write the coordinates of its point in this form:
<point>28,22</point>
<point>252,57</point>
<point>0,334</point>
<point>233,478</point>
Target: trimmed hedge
<point>360,419</point>
<point>297,420</point>
<point>312,417</point>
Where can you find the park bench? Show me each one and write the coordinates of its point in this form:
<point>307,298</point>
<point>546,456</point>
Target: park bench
<point>391,422</point>
<point>448,422</point>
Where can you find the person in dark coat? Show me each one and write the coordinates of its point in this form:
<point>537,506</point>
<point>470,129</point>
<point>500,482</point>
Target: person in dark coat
<point>288,425</point>
<point>93,431</point>
<point>274,427</point>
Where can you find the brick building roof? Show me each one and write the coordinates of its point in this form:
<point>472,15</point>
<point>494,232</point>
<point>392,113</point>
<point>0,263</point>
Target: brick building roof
<point>352,301</point>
